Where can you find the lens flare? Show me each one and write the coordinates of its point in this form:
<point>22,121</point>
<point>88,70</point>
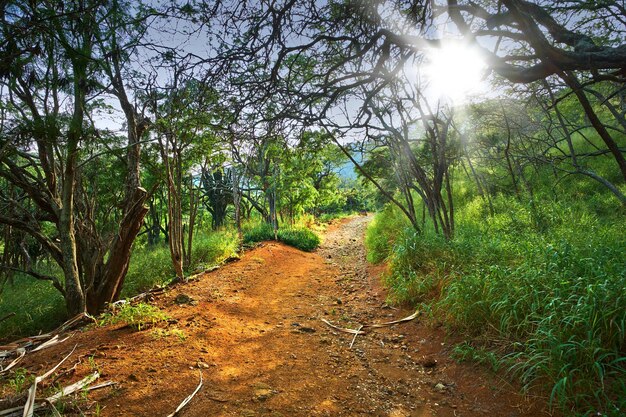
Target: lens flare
<point>454,71</point>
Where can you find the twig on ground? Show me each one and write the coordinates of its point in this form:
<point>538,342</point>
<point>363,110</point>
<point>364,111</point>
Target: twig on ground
<point>77,386</point>
<point>54,341</point>
<point>343,329</point>
<point>355,335</point>
<point>371,326</point>
<point>188,399</point>
<point>21,353</point>
<point>391,323</point>
<point>29,407</point>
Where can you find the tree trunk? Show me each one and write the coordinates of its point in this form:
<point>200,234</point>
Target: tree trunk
<point>109,284</point>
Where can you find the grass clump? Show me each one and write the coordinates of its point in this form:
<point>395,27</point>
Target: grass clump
<point>213,248</point>
<point>152,266</point>
<point>298,237</point>
<point>258,233</point>
<point>138,316</point>
<point>465,352</point>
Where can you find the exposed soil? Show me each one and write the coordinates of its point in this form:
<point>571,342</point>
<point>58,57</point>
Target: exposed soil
<point>255,333</point>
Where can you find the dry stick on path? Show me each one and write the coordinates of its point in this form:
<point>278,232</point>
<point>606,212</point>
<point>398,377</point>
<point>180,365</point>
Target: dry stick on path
<point>29,408</point>
<point>372,326</point>
<point>355,335</point>
<point>21,354</point>
<point>188,399</point>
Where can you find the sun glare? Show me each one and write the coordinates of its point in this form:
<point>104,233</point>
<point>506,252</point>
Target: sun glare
<point>453,71</point>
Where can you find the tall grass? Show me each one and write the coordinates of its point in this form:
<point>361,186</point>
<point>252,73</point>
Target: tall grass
<point>37,305</point>
<point>547,282</point>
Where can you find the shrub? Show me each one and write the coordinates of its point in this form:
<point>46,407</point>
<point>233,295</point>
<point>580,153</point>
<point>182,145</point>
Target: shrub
<point>303,239</point>
<point>214,248</point>
<point>258,233</point>
<point>299,237</point>
<point>37,305</point>
<point>149,267</point>
<point>152,266</point>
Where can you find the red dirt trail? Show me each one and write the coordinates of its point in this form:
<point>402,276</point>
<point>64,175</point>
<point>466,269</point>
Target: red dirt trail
<point>255,333</point>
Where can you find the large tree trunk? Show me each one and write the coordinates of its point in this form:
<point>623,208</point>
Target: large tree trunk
<point>74,295</point>
<point>108,285</point>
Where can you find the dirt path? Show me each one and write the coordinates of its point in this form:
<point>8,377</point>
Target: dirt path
<point>256,334</point>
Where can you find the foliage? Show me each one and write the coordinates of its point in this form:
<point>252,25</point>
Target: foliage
<point>137,316</point>
<point>151,266</point>
<point>258,233</point>
<point>213,248</point>
<point>465,352</point>
<point>18,380</point>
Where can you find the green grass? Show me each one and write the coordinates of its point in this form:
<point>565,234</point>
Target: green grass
<point>40,307</point>
<point>138,316</point>
<point>547,282</point>
<point>150,267</point>
<point>37,305</point>
<point>382,232</point>
<point>298,237</point>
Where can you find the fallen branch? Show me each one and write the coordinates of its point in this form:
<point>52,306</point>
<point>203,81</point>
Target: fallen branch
<point>354,338</point>
<point>10,412</point>
<point>343,329</point>
<point>21,353</point>
<point>54,341</point>
<point>188,399</point>
<point>100,386</point>
<point>70,389</point>
<point>391,323</point>
<point>371,326</point>
<point>29,407</point>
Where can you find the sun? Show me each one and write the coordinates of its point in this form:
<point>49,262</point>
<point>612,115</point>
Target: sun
<point>453,71</point>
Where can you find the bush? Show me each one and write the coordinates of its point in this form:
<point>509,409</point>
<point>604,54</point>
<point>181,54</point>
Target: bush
<point>298,237</point>
<point>258,233</point>
<point>303,239</point>
<point>37,305</point>
<point>152,266</point>
<point>214,248</point>
<point>149,267</point>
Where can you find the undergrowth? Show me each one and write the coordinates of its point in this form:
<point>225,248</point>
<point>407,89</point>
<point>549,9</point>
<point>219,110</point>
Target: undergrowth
<point>548,282</point>
<point>38,306</point>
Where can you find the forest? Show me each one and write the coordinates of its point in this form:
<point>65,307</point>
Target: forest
<point>481,142</point>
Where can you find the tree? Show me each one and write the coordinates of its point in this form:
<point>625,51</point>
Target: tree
<point>533,44</point>
<point>58,61</point>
